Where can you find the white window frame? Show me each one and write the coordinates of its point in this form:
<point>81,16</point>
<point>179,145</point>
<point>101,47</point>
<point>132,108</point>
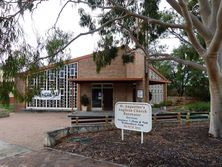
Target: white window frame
<point>53,78</point>
<point>62,92</point>
<point>60,76</point>
<point>74,71</point>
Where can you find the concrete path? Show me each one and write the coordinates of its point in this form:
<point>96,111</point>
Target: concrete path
<point>9,150</point>
<point>51,158</point>
<point>27,129</point>
<point>25,133</point>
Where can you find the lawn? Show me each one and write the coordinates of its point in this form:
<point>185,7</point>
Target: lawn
<point>191,107</point>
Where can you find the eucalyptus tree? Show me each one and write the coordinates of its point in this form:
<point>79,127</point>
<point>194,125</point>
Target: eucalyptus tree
<point>16,55</point>
<point>201,17</point>
<point>185,80</point>
<point>10,31</point>
<point>126,22</point>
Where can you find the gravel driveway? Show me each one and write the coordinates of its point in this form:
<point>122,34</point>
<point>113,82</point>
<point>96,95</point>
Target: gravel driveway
<point>27,129</point>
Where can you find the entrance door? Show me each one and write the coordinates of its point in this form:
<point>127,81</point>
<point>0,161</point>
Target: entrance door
<point>108,99</point>
<point>97,99</point>
<point>102,97</point>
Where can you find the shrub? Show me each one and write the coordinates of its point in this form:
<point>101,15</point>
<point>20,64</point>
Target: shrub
<point>168,103</point>
<point>164,103</point>
<point>156,106</point>
<point>7,108</point>
<point>198,106</point>
<point>84,100</point>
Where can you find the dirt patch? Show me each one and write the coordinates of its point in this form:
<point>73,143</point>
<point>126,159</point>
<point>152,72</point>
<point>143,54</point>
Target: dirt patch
<point>169,146</point>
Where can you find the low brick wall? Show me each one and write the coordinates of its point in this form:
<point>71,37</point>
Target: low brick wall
<point>53,137</point>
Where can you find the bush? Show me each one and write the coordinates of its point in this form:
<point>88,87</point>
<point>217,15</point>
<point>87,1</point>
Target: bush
<point>84,100</point>
<point>8,108</point>
<point>198,106</point>
<point>168,103</point>
<point>164,103</point>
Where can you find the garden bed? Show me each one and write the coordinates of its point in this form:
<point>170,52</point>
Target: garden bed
<point>169,146</point>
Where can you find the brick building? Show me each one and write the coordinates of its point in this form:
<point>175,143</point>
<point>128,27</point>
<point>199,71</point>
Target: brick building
<point>61,88</point>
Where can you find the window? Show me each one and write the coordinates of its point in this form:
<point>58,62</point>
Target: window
<point>72,71</point>
<point>61,74</point>
<point>32,82</point>
<point>62,91</point>
<point>51,76</point>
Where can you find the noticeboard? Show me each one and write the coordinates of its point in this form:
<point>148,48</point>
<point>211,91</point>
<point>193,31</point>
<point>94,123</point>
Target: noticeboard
<point>133,116</point>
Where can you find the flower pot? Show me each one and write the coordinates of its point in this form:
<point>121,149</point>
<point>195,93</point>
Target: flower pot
<point>84,108</point>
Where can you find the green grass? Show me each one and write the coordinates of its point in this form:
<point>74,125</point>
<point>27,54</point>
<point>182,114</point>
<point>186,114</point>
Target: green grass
<point>198,106</point>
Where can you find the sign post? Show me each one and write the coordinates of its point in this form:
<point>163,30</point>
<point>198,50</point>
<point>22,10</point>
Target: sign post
<point>133,116</point>
<point>141,137</point>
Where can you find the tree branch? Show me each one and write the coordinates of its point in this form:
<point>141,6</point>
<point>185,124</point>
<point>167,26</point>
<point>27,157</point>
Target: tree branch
<point>135,39</point>
<point>90,5</point>
<point>213,22</point>
<point>202,30</point>
<point>217,39</point>
<point>205,11</point>
<point>180,37</point>
<point>162,57</point>
<point>78,1</point>
<point>189,28</point>
<point>21,8</point>
<point>82,34</point>
<point>145,18</point>
<point>60,12</point>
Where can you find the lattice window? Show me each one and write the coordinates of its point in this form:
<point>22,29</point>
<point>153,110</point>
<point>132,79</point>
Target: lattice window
<point>55,80</point>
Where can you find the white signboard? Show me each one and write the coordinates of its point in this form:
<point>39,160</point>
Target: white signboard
<point>48,95</point>
<point>133,116</point>
<point>140,93</point>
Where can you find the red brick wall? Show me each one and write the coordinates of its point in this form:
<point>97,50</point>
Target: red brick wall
<point>136,69</point>
<point>20,85</point>
<point>11,100</point>
<point>87,68</point>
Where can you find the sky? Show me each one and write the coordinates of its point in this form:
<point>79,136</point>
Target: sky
<point>41,20</point>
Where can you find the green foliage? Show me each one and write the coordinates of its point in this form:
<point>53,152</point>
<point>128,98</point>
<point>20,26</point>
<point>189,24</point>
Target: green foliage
<point>184,79</point>
<point>29,59</point>
<point>5,89</point>
<point>54,43</point>
<point>164,103</point>
<point>113,34</point>
<point>198,86</point>
<point>13,64</point>
<point>198,106</point>
<point>84,100</point>
<point>85,19</point>
<point>103,58</point>
<point>128,58</point>
<point>7,108</point>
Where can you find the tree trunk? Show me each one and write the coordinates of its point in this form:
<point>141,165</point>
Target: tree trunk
<point>216,111</point>
<point>215,83</point>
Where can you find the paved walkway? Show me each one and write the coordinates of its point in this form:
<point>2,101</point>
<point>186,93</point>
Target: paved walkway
<point>9,150</point>
<point>51,158</point>
<point>27,129</point>
<point>25,133</point>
